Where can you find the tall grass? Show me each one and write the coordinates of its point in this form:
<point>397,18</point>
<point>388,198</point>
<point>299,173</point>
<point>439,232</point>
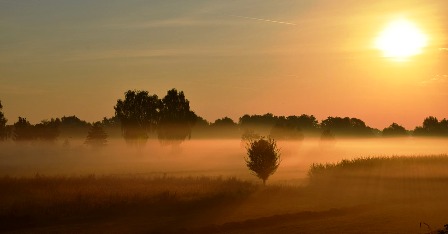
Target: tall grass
<point>395,166</point>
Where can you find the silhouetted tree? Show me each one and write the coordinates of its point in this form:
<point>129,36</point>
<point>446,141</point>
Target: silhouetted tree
<point>73,122</point>
<point>201,122</point>
<point>347,126</point>
<point>286,129</point>
<point>394,130</point>
<point>96,136</point>
<point>432,127</point>
<point>261,122</point>
<point>48,130</point>
<point>442,231</point>
<point>9,131</point>
<point>224,122</point>
<point>176,119</point>
<point>443,124</point>
<point>263,157</point>
<point>138,114</point>
<point>201,128</point>
<point>23,130</point>
<point>72,126</point>
<point>303,122</point>
<point>111,122</point>
<point>3,120</point>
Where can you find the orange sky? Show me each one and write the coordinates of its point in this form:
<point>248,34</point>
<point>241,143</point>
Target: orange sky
<point>229,57</point>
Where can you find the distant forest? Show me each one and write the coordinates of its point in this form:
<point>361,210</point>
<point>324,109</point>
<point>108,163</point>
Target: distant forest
<point>140,115</point>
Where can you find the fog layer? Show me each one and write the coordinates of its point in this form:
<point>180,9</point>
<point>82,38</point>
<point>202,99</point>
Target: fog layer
<point>197,157</point>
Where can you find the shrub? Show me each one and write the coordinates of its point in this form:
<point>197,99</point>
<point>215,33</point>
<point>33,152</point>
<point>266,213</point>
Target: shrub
<point>263,157</point>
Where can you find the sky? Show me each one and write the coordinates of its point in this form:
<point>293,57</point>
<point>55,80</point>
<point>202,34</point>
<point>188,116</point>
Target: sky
<point>287,57</point>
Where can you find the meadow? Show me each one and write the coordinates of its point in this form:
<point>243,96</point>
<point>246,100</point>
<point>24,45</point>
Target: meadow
<point>349,186</point>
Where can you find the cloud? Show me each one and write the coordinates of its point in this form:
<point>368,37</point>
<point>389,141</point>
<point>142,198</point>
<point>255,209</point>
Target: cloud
<point>80,55</point>
<point>437,79</point>
<point>198,21</point>
<point>159,53</point>
<point>170,23</point>
<point>265,20</point>
<point>443,49</point>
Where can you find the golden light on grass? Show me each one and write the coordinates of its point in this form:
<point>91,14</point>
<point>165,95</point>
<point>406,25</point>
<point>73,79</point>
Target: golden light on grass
<point>400,40</point>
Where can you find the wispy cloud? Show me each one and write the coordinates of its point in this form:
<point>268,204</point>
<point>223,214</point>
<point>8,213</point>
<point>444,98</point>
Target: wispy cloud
<point>138,53</point>
<point>160,53</point>
<point>265,20</point>
<point>123,53</point>
<point>171,23</point>
<point>437,79</point>
<point>443,49</point>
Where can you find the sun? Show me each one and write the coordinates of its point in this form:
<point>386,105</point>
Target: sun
<point>400,40</point>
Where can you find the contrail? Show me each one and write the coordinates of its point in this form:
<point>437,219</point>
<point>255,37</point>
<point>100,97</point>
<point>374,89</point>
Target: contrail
<point>266,20</point>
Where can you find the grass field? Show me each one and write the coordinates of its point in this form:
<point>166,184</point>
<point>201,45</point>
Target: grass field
<point>364,195</point>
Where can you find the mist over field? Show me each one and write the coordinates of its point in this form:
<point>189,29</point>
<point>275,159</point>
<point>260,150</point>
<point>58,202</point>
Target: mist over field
<point>204,186</point>
<point>224,116</point>
<point>198,157</point>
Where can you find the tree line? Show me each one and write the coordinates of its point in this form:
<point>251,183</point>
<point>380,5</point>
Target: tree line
<point>140,114</point>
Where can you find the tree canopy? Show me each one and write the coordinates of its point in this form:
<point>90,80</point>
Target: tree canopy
<point>96,137</point>
<point>263,157</point>
<point>346,126</point>
<point>47,130</point>
<point>225,122</point>
<point>287,129</point>
<point>432,127</point>
<point>394,130</point>
<point>141,113</point>
<point>138,113</point>
<point>175,118</point>
<point>23,130</point>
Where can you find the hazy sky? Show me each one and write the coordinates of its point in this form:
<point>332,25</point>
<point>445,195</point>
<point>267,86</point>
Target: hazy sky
<point>287,57</point>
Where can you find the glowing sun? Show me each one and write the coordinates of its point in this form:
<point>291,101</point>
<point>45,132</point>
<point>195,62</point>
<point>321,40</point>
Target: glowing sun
<point>401,40</point>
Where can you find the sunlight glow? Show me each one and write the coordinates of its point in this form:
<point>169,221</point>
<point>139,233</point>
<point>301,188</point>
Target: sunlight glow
<point>401,40</point>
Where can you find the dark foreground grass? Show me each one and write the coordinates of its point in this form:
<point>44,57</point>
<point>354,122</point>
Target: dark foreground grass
<point>40,201</point>
<point>395,192</point>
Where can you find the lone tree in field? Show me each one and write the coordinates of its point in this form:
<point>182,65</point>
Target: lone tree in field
<point>263,157</point>
<point>96,137</point>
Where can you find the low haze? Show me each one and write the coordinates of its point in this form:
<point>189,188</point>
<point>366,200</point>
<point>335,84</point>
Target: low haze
<point>211,157</point>
<point>212,116</point>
